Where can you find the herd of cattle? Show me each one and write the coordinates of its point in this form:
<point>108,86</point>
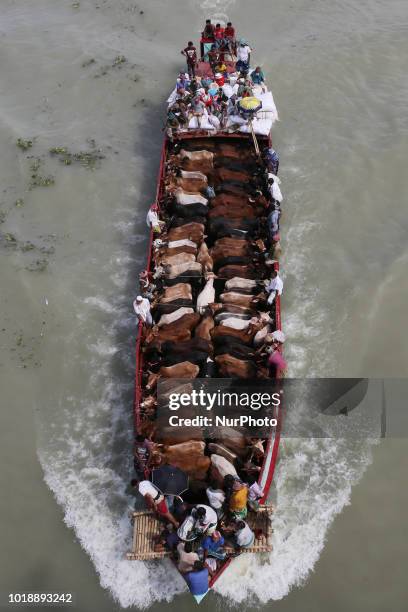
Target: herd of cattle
<point>209,267</point>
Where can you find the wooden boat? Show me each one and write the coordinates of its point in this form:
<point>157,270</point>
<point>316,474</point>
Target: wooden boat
<point>231,149</point>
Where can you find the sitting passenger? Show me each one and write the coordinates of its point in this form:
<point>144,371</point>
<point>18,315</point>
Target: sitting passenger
<point>156,501</point>
<point>213,546</point>
<point>255,493</point>
<point>216,498</point>
<point>244,536</point>
<point>167,540</point>
<point>205,519</point>
<point>208,31</point>
<point>186,557</point>
<point>274,287</point>
<point>257,76</point>
<point>238,500</point>
<point>197,580</point>
<point>229,34</point>
<point>141,457</point>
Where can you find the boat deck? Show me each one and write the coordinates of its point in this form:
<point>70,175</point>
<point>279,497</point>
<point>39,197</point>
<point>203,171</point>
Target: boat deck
<point>147,526</point>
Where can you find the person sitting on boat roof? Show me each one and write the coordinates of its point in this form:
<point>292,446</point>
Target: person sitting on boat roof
<point>205,519</point>
<point>244,537</point>
<point>274,286</point>
<point>198,109</point>
<point>190,53</point>
<point>219,35</point>
<point>193,86</point>
<point>274,190</point>
<point>141,306</point>
<point>243,56</point>
<point>183,81</point>
<point>186,557</point>
<point>257,76</point>
<point>229,34</point>
<point>216,498</point>
<point>156,501</point>
<point>213,58</point>
<point>197,579</point>
<point>244,88</point>
<point>167,540</point>
<point>141,456</point>
<point>271,159</point>
<point>208,32</point>
<point>183,96</point>
<point>255,493</point>
<point>238,500</point>
<point>176,116</point>
<point>212,546</point>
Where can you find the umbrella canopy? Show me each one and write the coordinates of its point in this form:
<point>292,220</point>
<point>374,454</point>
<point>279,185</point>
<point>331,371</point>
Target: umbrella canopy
<point>250,105</point>
<point>170,480</point>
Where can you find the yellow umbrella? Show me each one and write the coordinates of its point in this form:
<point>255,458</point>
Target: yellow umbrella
<point>250,104</point>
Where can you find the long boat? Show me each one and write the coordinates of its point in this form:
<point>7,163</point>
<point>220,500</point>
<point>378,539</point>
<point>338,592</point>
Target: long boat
<point>233,151</point>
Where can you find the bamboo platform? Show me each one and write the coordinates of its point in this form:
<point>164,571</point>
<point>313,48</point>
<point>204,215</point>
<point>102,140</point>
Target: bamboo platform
<point>147,526</point>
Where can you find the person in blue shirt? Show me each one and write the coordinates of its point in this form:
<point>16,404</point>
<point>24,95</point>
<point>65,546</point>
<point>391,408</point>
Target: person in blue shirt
<point>197,580</point>
<point>272,160</point>
<point>257,76</point>
<point>213,546</point>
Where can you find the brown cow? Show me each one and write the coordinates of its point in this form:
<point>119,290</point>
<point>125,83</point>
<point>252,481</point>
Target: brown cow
<point>189,457</point>
<point>188,185</point>
<point>184,369</point>
<point>190,231</point>
<point>174,251</point>
<point>237,211</point>
<point>243,335</point>
<point>204,258</point>
<point>180,330</point>
<point>235,368</point>
<point>225,174</point>
<point>240,299</point>
<point>180,291</point>
<point>203,329</point>
<point>234,270</point>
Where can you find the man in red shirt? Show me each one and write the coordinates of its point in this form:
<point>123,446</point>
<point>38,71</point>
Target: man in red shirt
<point>191,56</point>
<point>229,34</point>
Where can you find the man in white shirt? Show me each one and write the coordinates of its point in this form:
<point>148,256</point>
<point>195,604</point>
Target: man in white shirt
<point>152,219</point>
<point>244,536</point>
<point>274,190</point>
<point>243,57</point>
<point>216,498</point>
<point>141,307</point>
<point>205,519</point>
<point>275,286</point>
<point>156,501</point>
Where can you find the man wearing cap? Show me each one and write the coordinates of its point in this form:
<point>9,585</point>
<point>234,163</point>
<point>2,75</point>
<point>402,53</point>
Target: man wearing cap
<point>141,307</point>
<point>272,159</point>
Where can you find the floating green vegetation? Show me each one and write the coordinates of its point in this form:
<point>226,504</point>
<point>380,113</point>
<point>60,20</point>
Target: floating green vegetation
<point>10,238</point>
<point>27,246</point>
<point>39,265</point>
<point>88,63</point>
<point>76,5</point>
<point>19,203</point>
<point>119,59</point>
<point>24,145</point>
<point>88,159</point>
<point>36,179</point>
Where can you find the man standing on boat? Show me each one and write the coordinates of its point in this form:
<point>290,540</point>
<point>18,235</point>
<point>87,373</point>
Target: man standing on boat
<point>275,286</point>
<point>191,56</point>
<point>141,307</point>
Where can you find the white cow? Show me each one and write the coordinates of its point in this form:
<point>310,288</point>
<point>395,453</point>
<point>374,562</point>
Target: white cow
<point>173,271</point>
<point>206,296</point>
<point>173,244</point>
<point>174,316</point>
<point>240,283</point>
<point>174,260</point>
<point>194,175</point>
<point>189,198</point>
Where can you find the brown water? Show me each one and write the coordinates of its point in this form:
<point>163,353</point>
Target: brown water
<point>70,254</point>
